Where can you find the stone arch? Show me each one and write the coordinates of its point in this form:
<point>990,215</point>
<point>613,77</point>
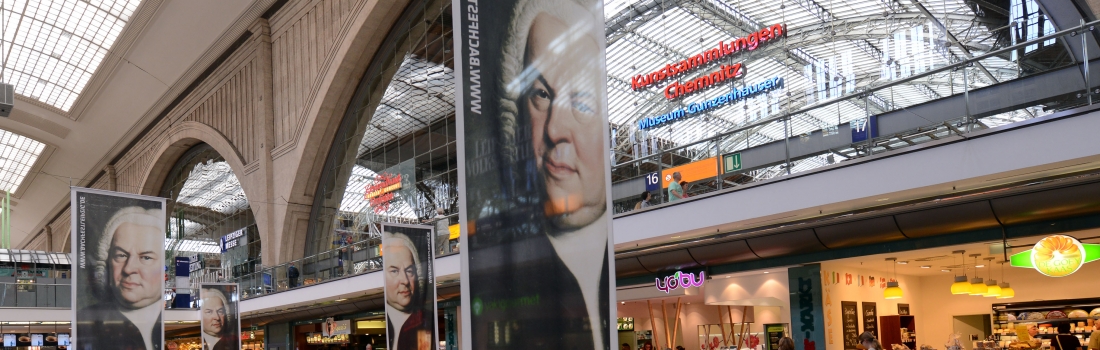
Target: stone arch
<point>178,139</point>
<point>356,50</point>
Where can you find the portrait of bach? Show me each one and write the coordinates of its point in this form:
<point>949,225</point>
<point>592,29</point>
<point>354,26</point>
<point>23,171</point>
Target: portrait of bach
<point>553,103</point>
<point>408,325</point>
<point>217,330</point>
<point>129,279</point>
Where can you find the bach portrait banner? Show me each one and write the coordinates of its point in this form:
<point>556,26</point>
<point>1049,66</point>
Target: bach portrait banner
<point>219,316</point>
<point>409,286</point>
<point>533,144</point>
<point>118,247</point>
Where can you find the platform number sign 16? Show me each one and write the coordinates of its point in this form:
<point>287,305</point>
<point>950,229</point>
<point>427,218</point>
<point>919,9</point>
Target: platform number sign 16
<point>652,182</point>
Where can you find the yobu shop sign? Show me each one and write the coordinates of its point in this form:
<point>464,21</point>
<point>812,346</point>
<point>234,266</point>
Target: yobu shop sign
<point>1057,256</point>
<point>680,280</point>
<point>703,59</point>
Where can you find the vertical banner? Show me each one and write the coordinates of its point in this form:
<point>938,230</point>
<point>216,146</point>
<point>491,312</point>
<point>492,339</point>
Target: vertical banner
<point>219,316</point>
<point>118,250</point>
<point>533,145</point>
<point>409,280</point>
<point>807,314</point>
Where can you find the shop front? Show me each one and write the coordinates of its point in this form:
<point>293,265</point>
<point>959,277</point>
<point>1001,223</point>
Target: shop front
<point>747,310</point>
<point>988,295</point>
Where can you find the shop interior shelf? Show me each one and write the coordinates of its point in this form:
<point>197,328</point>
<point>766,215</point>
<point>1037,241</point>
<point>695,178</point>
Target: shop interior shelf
<point>1045,320</point>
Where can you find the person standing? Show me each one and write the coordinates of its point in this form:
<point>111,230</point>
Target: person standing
<point>786,343</point>
<point>869,342</point>
<point>1065,340</point>
<point>675,191</point>
<point>292,276</point>
<point>643,201</point>
<point>1094,341</point>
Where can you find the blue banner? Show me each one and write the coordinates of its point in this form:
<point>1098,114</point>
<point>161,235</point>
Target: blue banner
<point>807,314</point>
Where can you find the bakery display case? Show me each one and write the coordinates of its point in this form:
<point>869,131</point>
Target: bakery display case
<point>1082,315</point>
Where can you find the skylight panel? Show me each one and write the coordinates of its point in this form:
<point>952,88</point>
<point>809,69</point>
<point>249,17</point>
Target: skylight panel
<point>17,155</point>
<point>52,48</point>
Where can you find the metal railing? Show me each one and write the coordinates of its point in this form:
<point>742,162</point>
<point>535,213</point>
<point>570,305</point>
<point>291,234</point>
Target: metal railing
<point>350,260</point>
<point>29,294</point>
<point>798,159</point>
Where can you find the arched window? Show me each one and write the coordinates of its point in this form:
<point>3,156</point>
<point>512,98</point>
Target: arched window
<point>394,156</point>
<point>207,205</point>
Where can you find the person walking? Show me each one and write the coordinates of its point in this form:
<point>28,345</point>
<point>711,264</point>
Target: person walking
<point>292,276</point>
<point>675,191</point>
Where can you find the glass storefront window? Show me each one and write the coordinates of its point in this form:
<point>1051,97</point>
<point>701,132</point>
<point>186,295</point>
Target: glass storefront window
<point>394,157</point>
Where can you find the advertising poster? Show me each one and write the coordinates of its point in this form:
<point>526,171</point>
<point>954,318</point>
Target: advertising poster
<point>37,339</point>
<point>219,316</point>
<point>118,269</point>
<point>807,312</point>
<point>409,280</point>
<point>63,339</point>
<point>9,340</point>
<point>533,139</point>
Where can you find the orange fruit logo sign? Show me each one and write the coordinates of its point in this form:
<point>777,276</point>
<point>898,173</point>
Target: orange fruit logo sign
<point>1058,256</point>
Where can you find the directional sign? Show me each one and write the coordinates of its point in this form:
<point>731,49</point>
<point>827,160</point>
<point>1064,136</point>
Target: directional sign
<point>731,162</point>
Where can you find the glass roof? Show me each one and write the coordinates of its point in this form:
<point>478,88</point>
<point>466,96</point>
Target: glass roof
<point>188,245</point>
<point>213,185</point>
<point>17,155</point>
<point>833,49</point>
<point>420,93</point>
<point>52,48</point>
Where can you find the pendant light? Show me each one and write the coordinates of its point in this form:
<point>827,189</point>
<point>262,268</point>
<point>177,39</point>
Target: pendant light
<point>961,285</point>
<point>993,289</point>
<point>1006,290</point>
<point>977,284</point>
<point>893,291</point>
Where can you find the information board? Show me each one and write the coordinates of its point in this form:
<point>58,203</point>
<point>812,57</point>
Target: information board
<point>870,318</point>
<point>849,320</point>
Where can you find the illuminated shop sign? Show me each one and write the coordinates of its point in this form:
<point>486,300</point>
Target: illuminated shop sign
<point>1057,256</point>
<point>700,107</point>
<point>381,191</point>
<point>680,280</point>
<point>725,72</point>
<point>747,43</point>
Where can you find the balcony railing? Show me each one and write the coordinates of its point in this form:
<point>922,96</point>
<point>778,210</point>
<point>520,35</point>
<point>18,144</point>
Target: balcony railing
<point>812,148</point>
<point>343,262</point>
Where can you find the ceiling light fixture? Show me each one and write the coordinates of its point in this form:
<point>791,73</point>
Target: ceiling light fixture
<point>1006,290</point>
<point>960,286</point>
<point>926,266</point>
<point>893,291</point>
<point>903,263</point>
<point>977,284</point>
<point>993,289</point>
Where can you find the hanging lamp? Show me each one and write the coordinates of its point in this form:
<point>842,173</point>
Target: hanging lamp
<point>893,291</point>
<point>1006,290</point>
<point>993,289</point>
<point>961,285</point>
<point>977,284</point>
